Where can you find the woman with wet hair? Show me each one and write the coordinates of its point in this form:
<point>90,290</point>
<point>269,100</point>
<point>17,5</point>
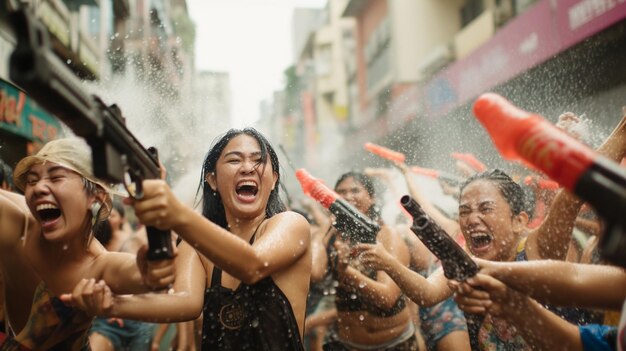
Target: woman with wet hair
<point>46,249</point>
<point>244,263</point>
<point>493,222</point>
<point>372,312</point>
<point>443,325</point>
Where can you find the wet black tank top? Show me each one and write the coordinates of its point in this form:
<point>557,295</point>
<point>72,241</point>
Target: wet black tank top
<point>348,301</point>
<point>251,317</point>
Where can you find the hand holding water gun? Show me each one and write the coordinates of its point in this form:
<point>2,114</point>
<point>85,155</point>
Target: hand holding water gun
<point>350,222</point>
<point>530,138</point>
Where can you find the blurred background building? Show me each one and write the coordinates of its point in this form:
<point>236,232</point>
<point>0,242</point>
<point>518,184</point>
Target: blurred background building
<point>136,53</point>
<point>404,74</point>
<point>399,73</point>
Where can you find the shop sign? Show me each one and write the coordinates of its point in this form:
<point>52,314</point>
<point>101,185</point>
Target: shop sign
<point>19,114</point>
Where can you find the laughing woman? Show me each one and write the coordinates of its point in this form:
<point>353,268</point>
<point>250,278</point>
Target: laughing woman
<point>46,248</point>
<point>372,312</point>
<point>245,262</point>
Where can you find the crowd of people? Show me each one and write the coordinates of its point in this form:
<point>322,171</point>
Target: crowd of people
<point>250,273</point>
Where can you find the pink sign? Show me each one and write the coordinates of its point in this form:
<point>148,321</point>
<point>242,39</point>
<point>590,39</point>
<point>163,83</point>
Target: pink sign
<point>580,19</point>
<point>526,41</point>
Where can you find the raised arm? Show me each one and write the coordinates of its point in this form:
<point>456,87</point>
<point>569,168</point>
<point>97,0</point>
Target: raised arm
<point>563,283</point>
<point>126,273</point>
<point>183,303</point>
<point>13,215</point>
<point>614,147</point>
<point>449,225</point>
<point>283,239</point>
<point>540,328</point>
<point>319,256</point>
<point>382,292</point>
<point>551,239</point>
<point>423,291</point>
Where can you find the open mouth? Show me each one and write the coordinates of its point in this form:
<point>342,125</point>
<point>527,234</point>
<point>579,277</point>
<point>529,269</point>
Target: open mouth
<point>247,189</point>
<point>480,240</point>
<point>48,212</point>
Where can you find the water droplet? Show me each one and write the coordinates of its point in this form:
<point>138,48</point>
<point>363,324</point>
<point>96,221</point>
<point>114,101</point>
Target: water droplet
<point>68,61</point>
<point>65,247</point>
<point>361,317</point>
<point>266,263</point>
<point>255,323</point>
<point>353,296</point>
<point>362,285</point>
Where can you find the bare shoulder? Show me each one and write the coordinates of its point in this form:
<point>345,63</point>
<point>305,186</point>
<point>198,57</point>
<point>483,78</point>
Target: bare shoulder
<point>291,220</point>
<point>14,215</point>
<point>109,259</point>
<point>287,232</point>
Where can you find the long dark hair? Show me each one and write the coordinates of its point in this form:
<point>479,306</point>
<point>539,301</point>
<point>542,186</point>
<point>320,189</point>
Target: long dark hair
<point>212,206</point>
<point>368,183</point>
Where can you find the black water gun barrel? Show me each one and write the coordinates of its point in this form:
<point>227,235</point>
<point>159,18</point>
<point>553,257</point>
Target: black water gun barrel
<point>456,263</point>
<point>116,152</point>
<point>349,221</point>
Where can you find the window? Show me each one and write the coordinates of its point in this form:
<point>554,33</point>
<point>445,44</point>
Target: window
<point>470,10</point>
<point>323,60</point>
<point>377,54</point>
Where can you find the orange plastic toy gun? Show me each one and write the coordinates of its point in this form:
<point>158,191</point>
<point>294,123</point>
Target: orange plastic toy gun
<point>350,222</point>
<point>433,173</point>
<point>541,183</point>
<point>521,135</point>
<point>470,160</point>
<point>385,152</point>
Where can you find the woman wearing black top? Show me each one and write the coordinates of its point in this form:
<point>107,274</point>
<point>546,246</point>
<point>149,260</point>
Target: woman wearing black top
<point>372,313</point>
<point>245,262</point>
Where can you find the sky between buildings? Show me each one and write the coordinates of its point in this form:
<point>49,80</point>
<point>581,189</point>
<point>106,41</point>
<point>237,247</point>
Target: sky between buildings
<point>250,39</point>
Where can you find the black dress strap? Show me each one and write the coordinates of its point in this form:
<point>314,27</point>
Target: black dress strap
<point>216,275</point>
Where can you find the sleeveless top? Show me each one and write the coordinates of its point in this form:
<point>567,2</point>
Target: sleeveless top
<point>349,301</point>
<point>52,325</point>
<point>489,333</point>
<point>251,317</point>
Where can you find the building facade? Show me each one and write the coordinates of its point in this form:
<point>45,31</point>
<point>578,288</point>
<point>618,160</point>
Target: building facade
<point>415,67</point>
<point>147,43</point>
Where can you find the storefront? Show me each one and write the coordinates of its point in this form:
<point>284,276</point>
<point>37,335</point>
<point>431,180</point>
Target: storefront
<point>555,57</point>
<point>24,126</point>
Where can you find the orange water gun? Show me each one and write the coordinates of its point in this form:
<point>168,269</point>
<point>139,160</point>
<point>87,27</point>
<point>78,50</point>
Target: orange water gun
<point>437,174</point>
<point>350,222</point>
<point>470,160</point>
<point>385,153</point>
<point>530,138</point>
<point>542,183</point>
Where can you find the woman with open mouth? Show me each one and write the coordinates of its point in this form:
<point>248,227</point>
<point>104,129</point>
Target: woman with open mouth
<point>493,222</point>
<point>372,312</point>
<point>244,262</point>
<point>46,249</point>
